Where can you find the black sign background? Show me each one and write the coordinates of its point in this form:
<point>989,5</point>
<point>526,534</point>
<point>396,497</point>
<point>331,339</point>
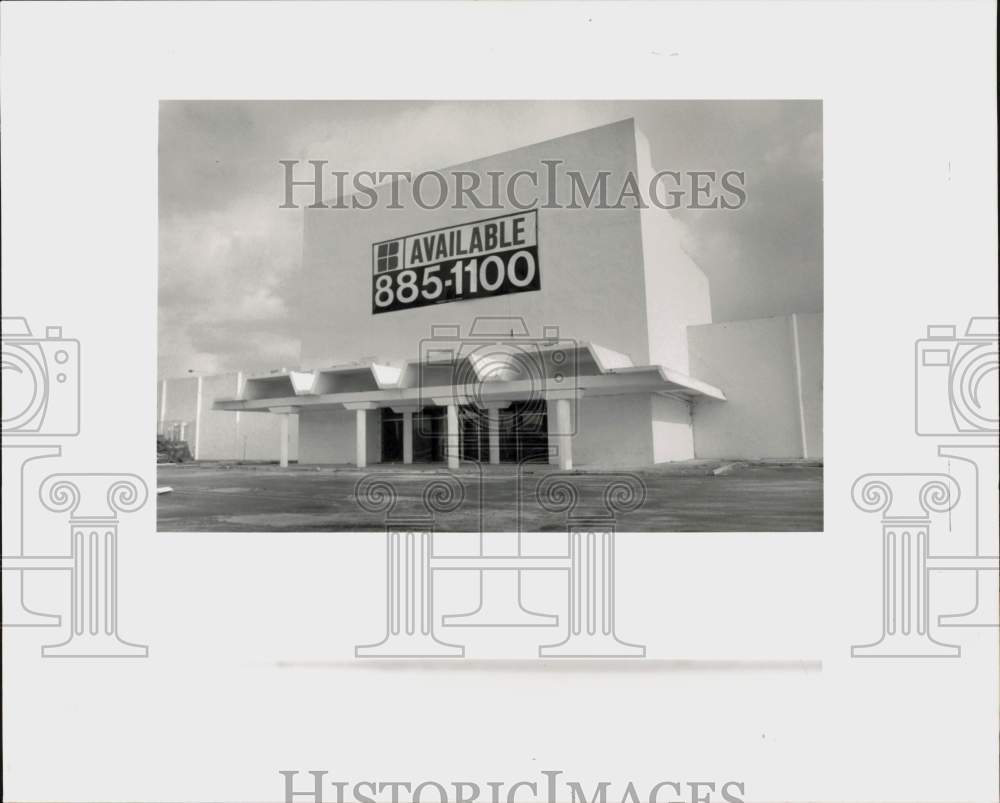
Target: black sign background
<point>447,273</point>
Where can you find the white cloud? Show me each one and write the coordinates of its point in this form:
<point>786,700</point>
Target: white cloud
<point>223,279</point>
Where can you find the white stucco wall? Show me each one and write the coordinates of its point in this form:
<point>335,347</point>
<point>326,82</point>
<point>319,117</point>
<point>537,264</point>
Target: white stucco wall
<point>673,436</point>
<point>598,267</point>
<point>676,291</point>
<point>811,349</point>
<point>631,431</point>
<point>328,437</point>
<point>754,363</point>
<point>612,432</point>
<point>260,437</point>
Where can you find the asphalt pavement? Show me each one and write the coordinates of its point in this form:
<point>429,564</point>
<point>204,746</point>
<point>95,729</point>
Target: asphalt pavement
<point>695,496</point>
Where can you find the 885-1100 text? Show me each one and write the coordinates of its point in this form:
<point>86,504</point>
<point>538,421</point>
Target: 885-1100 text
<point>512,271</point>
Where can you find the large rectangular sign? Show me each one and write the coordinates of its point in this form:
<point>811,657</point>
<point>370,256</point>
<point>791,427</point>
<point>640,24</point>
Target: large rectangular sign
<point>492,257</point>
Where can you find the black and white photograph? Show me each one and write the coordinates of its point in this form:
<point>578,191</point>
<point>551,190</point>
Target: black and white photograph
<point>589,288</point>
<point>570,401</point>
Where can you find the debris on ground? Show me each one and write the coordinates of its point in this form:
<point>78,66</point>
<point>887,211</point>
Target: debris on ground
<point>728,468</point>
<point>168,451</point>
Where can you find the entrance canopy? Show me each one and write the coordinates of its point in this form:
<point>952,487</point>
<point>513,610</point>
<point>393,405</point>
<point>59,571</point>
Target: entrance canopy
<point>466,373</point>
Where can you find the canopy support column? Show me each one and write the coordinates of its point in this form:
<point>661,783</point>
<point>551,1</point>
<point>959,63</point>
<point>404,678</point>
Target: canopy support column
<point>283,414</point>
<point>361,430</point>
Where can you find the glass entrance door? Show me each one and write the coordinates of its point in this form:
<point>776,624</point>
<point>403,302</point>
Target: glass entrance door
<point>428,435</point>
<point>429,426</point>
<point>524,432</point>
<point>475,434</point>
<point>392,436</point>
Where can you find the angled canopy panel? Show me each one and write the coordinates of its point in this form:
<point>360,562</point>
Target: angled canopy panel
<point>386,376</point>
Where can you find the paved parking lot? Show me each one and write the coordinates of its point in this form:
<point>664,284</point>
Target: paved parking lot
<point>685,497</point>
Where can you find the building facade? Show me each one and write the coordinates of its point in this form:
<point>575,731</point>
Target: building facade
<point>557,332</point>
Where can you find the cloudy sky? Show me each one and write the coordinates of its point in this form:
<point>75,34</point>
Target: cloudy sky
<point>229,256</point>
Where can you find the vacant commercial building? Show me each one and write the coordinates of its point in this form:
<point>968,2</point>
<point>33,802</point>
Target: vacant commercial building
<point>575,336</point>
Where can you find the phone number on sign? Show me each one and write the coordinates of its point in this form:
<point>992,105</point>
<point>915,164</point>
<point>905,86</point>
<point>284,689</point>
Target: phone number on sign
<point>514,271</point>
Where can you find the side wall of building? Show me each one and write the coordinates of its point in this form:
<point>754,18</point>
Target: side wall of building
<point>677,292</point>
<point>774,406</point>
<point>178,409</point>
<point>216,434</point>
<point>810,328</point>
<point>219,438</point>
